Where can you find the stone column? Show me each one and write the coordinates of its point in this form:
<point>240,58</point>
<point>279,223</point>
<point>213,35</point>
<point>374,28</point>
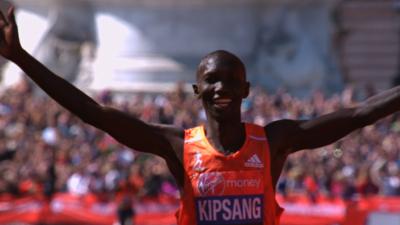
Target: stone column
<point>72,26</point>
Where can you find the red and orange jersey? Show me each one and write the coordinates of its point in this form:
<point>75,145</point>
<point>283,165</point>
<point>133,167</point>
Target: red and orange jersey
<point>233,189</point>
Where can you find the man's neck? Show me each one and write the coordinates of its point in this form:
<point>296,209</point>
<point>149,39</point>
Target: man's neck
<point>226,137</point>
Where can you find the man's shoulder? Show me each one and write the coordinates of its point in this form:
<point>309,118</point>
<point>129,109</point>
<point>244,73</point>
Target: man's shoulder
<point>169,130</point>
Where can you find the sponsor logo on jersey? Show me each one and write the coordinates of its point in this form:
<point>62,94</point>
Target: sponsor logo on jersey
<point>243,209</point>
<point>198,163</point>
<point>254,161</point>
<point>243,183</point>
<point>211,183</point>
<point>215,183</point>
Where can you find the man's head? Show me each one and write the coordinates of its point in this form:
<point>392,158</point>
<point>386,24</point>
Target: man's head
<point>221,84</point>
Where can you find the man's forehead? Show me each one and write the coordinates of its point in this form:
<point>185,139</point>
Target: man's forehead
<point>217,68</point>
<point>211,64</point>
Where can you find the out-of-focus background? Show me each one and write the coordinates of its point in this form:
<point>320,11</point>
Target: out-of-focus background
<point>303,58</point>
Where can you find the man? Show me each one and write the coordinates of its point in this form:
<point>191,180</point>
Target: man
<point>226,170</point>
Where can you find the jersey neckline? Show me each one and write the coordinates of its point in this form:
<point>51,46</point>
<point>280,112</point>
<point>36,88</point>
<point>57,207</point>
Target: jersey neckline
<point>231,155</point>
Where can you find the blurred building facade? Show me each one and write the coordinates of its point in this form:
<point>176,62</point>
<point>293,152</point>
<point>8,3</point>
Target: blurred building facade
<point>149,45</point>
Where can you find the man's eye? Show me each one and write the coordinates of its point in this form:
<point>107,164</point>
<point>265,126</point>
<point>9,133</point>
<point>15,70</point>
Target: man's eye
<point>211,80</point>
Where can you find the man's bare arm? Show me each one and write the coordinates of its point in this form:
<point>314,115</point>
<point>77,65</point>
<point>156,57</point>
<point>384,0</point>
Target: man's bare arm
<point>128,130</point>
<point>293,135</point>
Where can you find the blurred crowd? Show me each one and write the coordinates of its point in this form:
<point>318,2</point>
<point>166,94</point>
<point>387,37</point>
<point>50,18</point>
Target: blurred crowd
<point>53,151</point>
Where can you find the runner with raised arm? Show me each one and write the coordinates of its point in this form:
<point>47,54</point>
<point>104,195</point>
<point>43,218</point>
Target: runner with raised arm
<point>226,170</point>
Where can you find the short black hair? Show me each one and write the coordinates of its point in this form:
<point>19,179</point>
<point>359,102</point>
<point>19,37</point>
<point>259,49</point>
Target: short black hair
<point>228,58</point>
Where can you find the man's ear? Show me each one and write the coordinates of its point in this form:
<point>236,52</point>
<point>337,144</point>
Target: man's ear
<point>195,89</point>
<point>246,90</point>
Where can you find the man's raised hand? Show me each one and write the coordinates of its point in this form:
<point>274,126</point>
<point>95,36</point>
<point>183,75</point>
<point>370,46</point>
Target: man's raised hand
<point>9,40</point>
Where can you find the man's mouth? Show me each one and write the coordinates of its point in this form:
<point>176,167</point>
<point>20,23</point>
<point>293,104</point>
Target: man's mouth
<point>222,102</point>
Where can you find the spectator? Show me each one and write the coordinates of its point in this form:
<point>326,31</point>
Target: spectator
<point>357,165</point>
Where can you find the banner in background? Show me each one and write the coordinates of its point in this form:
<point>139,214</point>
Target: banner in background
<point>70,209</point>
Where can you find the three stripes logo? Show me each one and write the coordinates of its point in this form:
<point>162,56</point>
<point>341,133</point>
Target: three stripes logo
<point>254,161</point>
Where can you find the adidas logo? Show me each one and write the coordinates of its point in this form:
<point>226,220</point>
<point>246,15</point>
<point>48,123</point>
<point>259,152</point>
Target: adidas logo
<point>254,161</point>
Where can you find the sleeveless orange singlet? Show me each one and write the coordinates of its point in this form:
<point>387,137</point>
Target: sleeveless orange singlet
<point>233,189</point>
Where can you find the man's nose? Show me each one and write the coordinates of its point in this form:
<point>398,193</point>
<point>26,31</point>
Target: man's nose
<point>220,87</point>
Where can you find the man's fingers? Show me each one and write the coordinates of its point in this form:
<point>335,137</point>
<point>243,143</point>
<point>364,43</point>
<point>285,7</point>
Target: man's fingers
<point>3,24</point>
<point>3,20</point>
<point>11,15</point>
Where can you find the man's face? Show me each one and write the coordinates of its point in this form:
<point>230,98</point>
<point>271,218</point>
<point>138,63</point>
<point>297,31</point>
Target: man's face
<point>221,85</point>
